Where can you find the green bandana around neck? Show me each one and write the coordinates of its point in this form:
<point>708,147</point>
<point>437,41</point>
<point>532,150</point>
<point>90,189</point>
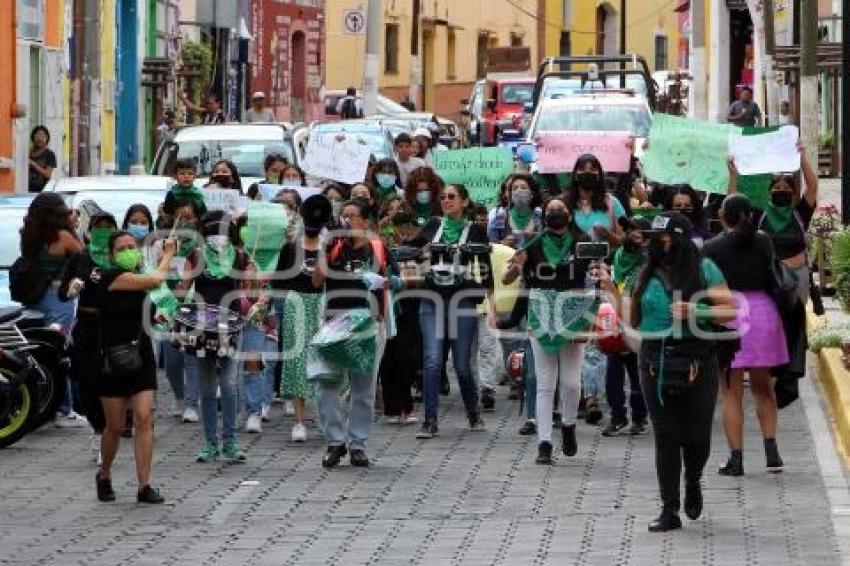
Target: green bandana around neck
<point>556,248</point>
<point>189,193</point>
<point>521,218</point>
<point>452,229</point>
<point>219,264</point>
<point>422,212</point>
<point>99,246</point>
<point>627,264</point>
<point>778,217</point>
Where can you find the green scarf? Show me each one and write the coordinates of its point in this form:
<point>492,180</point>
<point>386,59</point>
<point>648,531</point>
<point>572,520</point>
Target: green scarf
<point>778,217</point>
<point>191,193</point>
<point>555,248</point>
<point>99,246</point>
<point>452,230</point>
<point>219,264</point>
<point>521,218</point>
<point>386,194</point>
<point>626,265</point>
<point>421,212</point>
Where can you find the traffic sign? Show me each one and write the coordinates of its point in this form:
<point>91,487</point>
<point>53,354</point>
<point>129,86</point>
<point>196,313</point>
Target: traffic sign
<point>354,22</point>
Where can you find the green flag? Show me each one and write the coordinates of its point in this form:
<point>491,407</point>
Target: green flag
<point>481,170</point>
<point>265,233</point>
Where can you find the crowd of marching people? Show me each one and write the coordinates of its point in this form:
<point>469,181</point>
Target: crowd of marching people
<point>578,292</point>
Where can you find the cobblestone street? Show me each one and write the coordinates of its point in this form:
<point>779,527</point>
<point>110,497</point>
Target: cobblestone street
<point>462,498</point>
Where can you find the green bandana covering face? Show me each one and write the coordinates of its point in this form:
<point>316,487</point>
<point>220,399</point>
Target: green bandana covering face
<point>778,217</point>
<point>99,246</point>
<point>520,218</point>
<point>452,229</point>
<point>219,263</point>
<point>556,248</point>
<point>128,259</point>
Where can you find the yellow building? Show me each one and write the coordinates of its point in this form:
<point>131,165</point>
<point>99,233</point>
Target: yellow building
<point>452,45</point>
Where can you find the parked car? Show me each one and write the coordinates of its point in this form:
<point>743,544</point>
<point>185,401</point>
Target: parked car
<point>496,105</point>
<point>412,121</point>
<point>332,98</point>
<point>113,193</point>
<point>372,132</point>
<point>246,145</point>
<point>13,208</point>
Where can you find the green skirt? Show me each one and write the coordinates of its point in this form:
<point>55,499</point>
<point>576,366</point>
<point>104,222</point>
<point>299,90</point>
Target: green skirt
<point>302,316</point>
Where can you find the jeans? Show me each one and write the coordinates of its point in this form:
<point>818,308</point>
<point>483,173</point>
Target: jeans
<point>435,334</point>
<point>258,386</point>
<point>615,378</point>
<point>362,399</point>
<point>682,429</point>
<point>62,313</point>
<point>593,371</point>
<point>563,367</point>
<point>489,366</point>
<point>214,373</point>
<point>182,376</point>
<point>530,378</point>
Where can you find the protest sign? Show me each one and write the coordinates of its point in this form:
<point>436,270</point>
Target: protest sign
<point>481,170</point>
<point>766,152</point>
<point>344,160</point>
<point>688,151</point>
<point>228,200</point>
<point>265,233</point>
<point>269,191</point>
<point>557,151</point>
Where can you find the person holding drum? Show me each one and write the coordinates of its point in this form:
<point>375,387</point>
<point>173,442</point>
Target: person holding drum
<point>129,375</point>
<point>216,288</point>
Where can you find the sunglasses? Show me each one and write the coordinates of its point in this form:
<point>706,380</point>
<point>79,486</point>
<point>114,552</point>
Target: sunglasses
<point>449,196</point>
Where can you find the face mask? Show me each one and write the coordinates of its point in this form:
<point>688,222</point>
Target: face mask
<point>187,225</point>
<point>423,197</point>
<point>385,180</point>
<point>128,259</point>
<point>99,238</point>
<point>781,198</point>
<point>139,231</point>
<point>218,242</point>
<point>336,208</point>
<point>291,182</point>
<point>521,198</point>
<point>556,220</point>
<point>221,180</point>
<point>588,180</point>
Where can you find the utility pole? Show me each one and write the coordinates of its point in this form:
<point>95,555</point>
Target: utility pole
<point>845,114</point>
<point>809,79</point>
<point>372,62</point>
<point>697,100</point>
<point>623,40</point>
<point>771,112</point>
<point>415,91</point>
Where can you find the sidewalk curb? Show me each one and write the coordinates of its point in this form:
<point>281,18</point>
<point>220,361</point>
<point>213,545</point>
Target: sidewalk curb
<point>834,378</point>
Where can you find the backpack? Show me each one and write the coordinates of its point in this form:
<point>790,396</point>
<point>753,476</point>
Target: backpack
<point>27,281</point>
<point>349,109</point>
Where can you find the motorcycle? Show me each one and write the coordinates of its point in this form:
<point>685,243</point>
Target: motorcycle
<point>34,365</point>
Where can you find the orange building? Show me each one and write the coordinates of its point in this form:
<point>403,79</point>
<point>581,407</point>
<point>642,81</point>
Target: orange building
<point>7,97</point>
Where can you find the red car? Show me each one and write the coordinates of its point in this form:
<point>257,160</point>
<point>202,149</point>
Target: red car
<point>497,105</point>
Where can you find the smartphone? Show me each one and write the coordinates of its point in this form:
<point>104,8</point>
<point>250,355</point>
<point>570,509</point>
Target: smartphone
<point>592,250</point>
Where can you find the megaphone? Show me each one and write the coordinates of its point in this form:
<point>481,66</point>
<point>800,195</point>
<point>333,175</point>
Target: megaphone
<point>316,211</point>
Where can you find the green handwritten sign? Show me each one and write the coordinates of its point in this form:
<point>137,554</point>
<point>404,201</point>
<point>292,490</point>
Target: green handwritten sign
<point>481,170</point>
<point>688,151</point>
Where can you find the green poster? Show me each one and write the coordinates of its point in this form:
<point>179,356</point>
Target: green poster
<point>481,170</point>
<point>688,151</point>
<point>265,233</point>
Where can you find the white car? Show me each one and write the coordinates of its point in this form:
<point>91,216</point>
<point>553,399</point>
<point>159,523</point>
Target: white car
<point>113,193</point>
<point>246,145</point>
<point>13,208</point>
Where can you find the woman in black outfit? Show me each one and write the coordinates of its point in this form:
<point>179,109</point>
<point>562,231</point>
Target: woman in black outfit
<point>122,325</point>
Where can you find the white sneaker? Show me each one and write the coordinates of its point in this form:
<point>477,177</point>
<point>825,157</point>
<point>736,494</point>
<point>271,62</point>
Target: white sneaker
<point>264,412</point>
<point>393,420</point>
<point>190,415</point>
<point>175,409</point>
<point>288,407</point>
<point>411,418</point>
<point>254,424</point>
<point>299,433</point>
<point>71,420</point>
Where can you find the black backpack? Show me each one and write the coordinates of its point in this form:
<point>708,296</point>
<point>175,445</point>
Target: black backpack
<point>27,281</point>
<point>349,109</point>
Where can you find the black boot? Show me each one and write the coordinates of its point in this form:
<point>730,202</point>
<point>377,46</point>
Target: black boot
<point>544,453</point>
<point>568,444</point>
<point>693,500</point>
<point>771,454</point>
<point>734,466</point>
<point>668,520</point>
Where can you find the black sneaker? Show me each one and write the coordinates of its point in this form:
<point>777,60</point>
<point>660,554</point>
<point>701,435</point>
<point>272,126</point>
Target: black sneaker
<point>149,495</point>
<point>734,466</point>
<point>105,492</point>
<point>528,428</point>
<point>693,500</point>
<point>488,402</point>
<point>667,521</point>
<point>359,459</point>
<point>428,430</point>
<point>638,428</point>
<point>334,456</point>
<point>568,444</point>
<point>593,414</point>
<point>544,453</point>
<point>475,422</point>
<point>771,454</point>
<point>614,428</point>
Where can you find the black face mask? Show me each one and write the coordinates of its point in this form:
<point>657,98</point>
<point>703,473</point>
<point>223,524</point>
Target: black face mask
<point>556,220</point>
<point>221,180</point>
<point>631,246</point>
<point>781,198</point>
<point>588,180</point>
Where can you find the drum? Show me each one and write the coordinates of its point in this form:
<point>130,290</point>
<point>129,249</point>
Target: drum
<point>203,330</point>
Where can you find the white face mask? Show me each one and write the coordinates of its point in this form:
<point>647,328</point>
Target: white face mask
<point>218,242</point>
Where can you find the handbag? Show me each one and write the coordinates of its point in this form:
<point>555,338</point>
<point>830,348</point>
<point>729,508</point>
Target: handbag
<point>783,285</point>
<point>674,365</point>
<point>27,281</point>
<point>124,359</point>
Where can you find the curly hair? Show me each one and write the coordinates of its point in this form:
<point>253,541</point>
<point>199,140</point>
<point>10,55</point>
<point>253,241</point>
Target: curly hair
<point>435,184</point>
<point>47,216</point>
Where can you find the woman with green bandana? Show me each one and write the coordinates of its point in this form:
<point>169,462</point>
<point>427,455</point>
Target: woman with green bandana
<point>518,216</point>
<point>558,312</point>
<point>422,193</point>
<point>123,324</point>
<point>215,264</point>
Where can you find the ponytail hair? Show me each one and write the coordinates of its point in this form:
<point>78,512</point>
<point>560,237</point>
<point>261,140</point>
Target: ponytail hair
<point>737,214</point>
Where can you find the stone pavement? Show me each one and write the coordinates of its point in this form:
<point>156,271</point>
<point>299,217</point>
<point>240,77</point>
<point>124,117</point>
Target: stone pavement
<point>463,498</point>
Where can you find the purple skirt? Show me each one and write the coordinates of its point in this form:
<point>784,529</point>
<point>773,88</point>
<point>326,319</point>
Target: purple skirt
<point>762,334</point>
